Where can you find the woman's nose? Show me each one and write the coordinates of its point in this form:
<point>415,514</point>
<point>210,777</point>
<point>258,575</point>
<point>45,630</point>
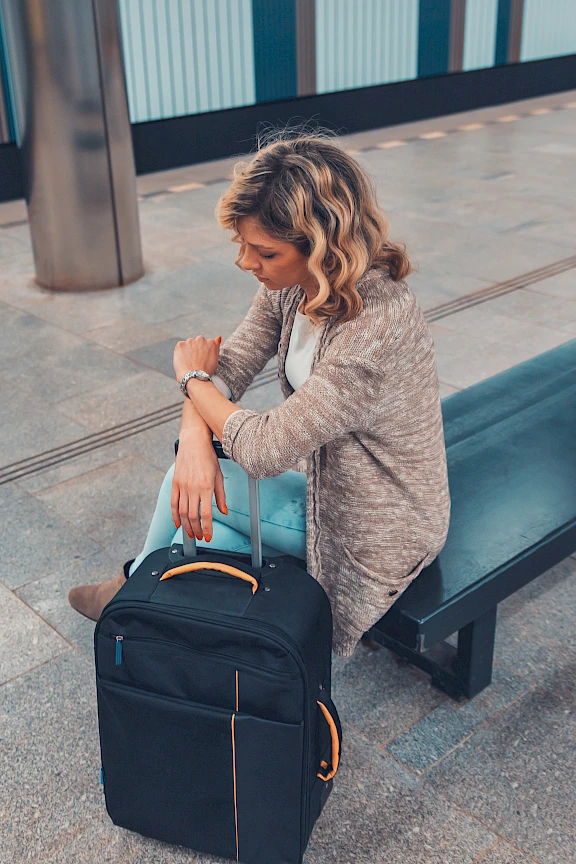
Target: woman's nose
<point>248,261</point>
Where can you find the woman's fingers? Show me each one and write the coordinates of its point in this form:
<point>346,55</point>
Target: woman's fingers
<point>206,511</point>
<point>183,512</point>
<point>184,509</point>
<point>219,492</point>
<point>193,516</point>
<point>175,503</point>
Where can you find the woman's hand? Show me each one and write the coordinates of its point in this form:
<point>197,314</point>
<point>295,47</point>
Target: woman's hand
<point>197,476</point>
<point>196,353</point>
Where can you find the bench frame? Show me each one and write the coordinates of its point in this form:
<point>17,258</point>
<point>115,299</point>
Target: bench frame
<point>462,672</point>
<point>465,671</point>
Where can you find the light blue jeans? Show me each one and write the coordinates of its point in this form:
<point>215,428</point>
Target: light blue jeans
<point>282,515</point>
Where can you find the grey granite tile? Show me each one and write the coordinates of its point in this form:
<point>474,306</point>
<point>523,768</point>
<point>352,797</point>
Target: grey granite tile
<point>380,812</point>
<point>68,372</point>
<point>528,306</point>
<point>432,288</point>
<point>512,322</point>
<point>225,253</point>
<point>75,467</point>
<point>125,335</point>
<point>380,695</point>
<point>517,774</point>
<point>157,355</point>
<point>156,445</point>
<point>165,249</point>
<point>182,292</point>
<point>74,312</point>
<point>210,281</point>
<point>113,845</point>
<point>207,321</point>
<point>449,724</point>
<point>120,401</point>
<point>29,425</point>
<point>23,335</point>
<point>112,505</point>
<point>488,260</point>
<point>34,538</point>
<point>48,596</point>
<point>503,853</point>
<point>534,633</point>
<point>562,286</point>
<point>463,359</point>
<point>13,245</point>
<point>26,640</point>
<point>50,758</point>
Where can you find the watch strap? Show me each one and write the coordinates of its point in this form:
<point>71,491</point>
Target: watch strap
<point>193,374</point>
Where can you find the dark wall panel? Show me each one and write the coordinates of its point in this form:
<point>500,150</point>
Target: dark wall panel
<point>166,144</point>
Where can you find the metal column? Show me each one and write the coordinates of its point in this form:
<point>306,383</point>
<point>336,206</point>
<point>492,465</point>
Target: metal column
<point>67,76</point>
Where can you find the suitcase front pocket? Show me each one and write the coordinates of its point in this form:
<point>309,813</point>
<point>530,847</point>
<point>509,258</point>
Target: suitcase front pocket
<point>192,674</point>
<point>213,780</point>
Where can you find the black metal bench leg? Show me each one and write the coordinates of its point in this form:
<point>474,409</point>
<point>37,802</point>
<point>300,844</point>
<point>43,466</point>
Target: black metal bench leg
<point>473,663</point>
<point>462,672</point>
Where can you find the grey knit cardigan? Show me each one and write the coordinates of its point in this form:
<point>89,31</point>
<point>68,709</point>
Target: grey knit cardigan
<point>367,425</point>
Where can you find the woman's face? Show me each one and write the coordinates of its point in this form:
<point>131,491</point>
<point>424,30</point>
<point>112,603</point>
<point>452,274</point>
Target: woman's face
<point>276,263</point>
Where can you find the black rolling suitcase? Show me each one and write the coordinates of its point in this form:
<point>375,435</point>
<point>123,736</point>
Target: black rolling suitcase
<point>213,675</point>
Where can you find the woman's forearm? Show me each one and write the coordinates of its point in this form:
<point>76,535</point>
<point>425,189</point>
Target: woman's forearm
<point>192,423</point>
<point>210,404</point>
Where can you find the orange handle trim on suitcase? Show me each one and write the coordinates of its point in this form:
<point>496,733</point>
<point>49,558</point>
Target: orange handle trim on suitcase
<point>212,565</point>
<point>335,744</point>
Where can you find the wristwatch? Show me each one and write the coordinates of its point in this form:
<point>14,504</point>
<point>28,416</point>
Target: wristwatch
<point>196,373</point>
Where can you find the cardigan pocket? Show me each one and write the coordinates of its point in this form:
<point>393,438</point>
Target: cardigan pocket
<point>395,583</point>
<point>360,603</point>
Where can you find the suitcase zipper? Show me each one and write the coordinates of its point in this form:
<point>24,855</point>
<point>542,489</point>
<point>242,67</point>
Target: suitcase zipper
<point>239,664</point>
<point>280,638</point>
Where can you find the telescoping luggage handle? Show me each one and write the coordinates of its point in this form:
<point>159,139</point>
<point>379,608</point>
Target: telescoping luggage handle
<point>189,543</point>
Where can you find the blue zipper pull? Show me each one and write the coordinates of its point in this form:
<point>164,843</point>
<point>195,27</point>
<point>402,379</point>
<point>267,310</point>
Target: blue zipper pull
<point>119,650</point>
<point>101,776</point>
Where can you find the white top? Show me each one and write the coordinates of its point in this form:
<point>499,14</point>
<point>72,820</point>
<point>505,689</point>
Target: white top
<point>299,355</point>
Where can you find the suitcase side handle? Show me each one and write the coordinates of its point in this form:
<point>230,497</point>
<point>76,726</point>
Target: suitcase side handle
<point>212,565</point>
<point>330,714</point>
<point>189,543</point>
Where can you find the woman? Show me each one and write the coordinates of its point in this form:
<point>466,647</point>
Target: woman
<point>358,438</point>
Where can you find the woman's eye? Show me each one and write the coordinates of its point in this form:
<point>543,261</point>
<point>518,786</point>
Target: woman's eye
<point>268,256</point>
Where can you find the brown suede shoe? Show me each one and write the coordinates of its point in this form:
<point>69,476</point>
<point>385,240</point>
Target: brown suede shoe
<point>90,600</point>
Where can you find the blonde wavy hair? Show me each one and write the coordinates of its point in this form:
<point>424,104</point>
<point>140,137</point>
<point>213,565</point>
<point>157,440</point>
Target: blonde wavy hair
<point>304,189</point>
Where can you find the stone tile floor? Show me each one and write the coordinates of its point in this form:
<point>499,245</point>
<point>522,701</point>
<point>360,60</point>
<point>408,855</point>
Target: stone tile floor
<point>424,780</point>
